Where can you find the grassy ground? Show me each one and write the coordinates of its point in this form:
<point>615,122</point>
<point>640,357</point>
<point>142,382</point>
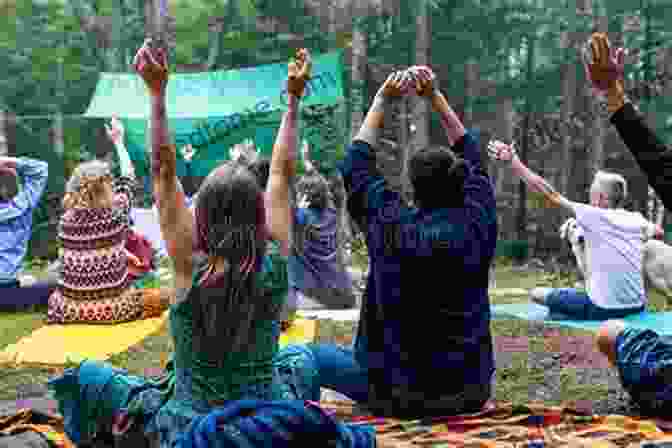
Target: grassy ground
<point>517,343</point>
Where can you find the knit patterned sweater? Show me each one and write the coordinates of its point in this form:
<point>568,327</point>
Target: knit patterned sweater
<point>94,264</point>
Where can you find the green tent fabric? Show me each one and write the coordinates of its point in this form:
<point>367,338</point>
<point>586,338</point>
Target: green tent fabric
<point>215,110</point>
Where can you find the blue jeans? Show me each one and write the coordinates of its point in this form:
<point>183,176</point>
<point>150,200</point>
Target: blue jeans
<point>575,304</point>
<point>334,367</point>
<point>644,363</point>
<point>324,365</point>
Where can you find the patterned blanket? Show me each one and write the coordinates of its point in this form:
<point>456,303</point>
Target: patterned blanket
<point>505,425</point>
<point>499,425</point>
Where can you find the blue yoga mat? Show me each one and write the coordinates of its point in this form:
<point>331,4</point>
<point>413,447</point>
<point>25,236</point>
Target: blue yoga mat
<point>661,323</point>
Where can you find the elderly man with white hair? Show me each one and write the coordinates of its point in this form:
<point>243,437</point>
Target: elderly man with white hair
<point>614,240</point>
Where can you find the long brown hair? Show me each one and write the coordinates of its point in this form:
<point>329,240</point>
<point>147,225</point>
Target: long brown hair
<point>230,225</point>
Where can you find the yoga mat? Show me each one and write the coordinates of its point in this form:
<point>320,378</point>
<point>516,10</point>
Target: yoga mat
<point>508,425</point>
<point>55,344</point>
<point>340,315</point>
<point>302,331</point>
<point>661,323</point>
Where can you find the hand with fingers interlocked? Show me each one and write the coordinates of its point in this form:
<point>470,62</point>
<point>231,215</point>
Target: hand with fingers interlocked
<point>426,82</point>
<point>502,152</point>
<point>397,85</point>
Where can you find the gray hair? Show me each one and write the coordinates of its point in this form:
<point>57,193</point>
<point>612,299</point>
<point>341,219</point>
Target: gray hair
<point>613,185</point>
<point>93,168</point>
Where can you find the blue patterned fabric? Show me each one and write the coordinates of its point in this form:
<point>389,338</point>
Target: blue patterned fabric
<point>644,361</point>
<point>279,424</point>
<point>16,216</point>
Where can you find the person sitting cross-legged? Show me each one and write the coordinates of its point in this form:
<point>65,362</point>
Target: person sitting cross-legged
<point>316,280</point>
<point>614,239</point>
<point>96,284</point>
<point>429,269</point>
<point>22,184</point>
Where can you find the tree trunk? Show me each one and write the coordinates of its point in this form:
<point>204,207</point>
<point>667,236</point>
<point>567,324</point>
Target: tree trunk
<point>420,107</point>
<point>4,139</point>
<point>567,94</point>
<point>470,89</point>
<point>214,44</point>
<point>521,216</point>
<point>59,142</point>
<point>358,77</point>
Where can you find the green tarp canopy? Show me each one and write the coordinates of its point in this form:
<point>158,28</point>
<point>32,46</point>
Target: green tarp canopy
<point>215,110</point>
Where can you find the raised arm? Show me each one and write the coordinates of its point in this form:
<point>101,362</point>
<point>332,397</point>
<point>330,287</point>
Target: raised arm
<point>364,185</point>
<point>427,87</point>
<point>175,219</point>
<point>115,131</point>
<point>506,153</point>
<point>32,175</point>
<point>278,207</point>
<point>604,67</point>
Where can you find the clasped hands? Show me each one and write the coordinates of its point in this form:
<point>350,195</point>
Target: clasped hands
<point>418,78</point>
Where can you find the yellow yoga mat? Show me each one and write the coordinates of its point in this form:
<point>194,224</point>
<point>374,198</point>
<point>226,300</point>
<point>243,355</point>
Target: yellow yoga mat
<point>58,344</point>
<point>301,332</point>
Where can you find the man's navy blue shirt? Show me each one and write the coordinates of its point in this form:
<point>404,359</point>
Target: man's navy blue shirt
<point>425,319</point>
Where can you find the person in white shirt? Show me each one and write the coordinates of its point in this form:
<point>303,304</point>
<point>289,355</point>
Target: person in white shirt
<point>614,239</point>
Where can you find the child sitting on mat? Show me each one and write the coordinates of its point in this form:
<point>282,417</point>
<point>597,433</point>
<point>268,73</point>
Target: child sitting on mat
<point>614,241</point>
<point>643,359</point>
<point>95,284</point>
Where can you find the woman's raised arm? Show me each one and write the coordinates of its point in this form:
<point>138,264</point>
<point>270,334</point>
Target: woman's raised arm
<point>174,217</point>
<point>278,208</point>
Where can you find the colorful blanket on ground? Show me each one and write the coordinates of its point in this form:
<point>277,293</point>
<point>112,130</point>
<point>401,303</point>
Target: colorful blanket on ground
<point>49,426</point>
<point>505,425</point>
<point>499,425</point>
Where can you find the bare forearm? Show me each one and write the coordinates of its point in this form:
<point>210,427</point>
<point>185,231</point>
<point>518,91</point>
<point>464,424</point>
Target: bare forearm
<point>534,182</point>
<point>449,119</point>
<point>284,150</point>
<point>160,136</point>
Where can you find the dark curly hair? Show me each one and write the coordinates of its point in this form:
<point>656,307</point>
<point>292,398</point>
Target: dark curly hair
<point>437,176</point>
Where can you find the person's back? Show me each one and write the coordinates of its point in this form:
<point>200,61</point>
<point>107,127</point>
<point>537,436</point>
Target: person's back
<point>16,211</point>
<point>429,270</point>
<point>314,269</point>
<point>207,375</point>
<point>614,253</point>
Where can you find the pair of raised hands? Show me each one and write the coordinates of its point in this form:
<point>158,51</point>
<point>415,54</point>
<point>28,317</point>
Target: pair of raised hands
<point>418,78</point>
<point>152,65</point>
